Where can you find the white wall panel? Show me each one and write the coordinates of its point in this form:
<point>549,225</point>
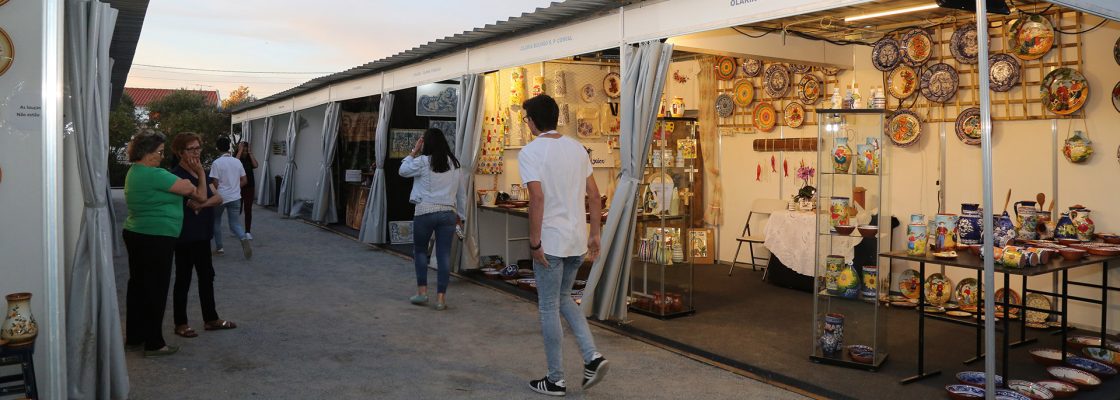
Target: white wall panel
<point>450,67</point>
<point>312,99</point>
<point>578,38</point>
<point>280,107</point>
<point>672,18</point>
<point>361,87</point>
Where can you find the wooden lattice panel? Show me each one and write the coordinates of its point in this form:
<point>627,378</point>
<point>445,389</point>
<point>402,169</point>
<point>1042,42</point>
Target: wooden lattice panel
<point>741,121</point>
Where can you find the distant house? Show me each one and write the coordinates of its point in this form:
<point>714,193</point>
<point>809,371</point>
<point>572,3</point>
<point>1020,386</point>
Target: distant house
<point>141,97</point>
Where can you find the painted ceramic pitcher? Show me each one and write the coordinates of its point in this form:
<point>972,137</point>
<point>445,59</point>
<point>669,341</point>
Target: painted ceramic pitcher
<point>1026,214</point>
<point>1065,228</point>
<point>19,326</point>
<point>1003,230</point>
<point>842,156</point>
<point>838,211</point>
<point>942,232</point>
<point>1085,225</point>
<point>867,157</point>
<point>970,225</point>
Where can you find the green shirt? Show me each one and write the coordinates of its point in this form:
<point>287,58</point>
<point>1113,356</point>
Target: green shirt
<point>152,208</point>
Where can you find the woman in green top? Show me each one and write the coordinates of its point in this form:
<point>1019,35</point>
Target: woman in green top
<point>155,217</point>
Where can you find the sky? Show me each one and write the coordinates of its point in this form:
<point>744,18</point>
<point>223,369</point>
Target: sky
<point>310,38</point>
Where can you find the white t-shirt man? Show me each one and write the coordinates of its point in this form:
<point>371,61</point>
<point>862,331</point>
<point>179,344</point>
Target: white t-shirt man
<point>228,171</point>
<point>561,166</point>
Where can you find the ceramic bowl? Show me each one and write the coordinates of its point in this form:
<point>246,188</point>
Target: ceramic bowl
<point>1060,389</point>
<point>976,378</point>
<point>527,283</point>
<point>1008,394</point>
<point>509,271</point>
<point>520,203</point>
<point>1072,254</point>
<point>1067,242</point>
<point>964,392</point>
<point>1083,380</point>
<point>845,229</point>
<point>868,230</point>
<point>1101,370</point>
<point>1109,238</point>
<point>1030,389</point>
<point>1102,354</point>
<point>1078,342</point>
<point>1048,356</point>
<point>1104,251</point>
<point>861,353</point>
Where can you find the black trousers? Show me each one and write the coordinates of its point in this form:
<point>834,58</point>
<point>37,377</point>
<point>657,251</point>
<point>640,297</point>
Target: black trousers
<point>189,257</point>
<point>149,275</point>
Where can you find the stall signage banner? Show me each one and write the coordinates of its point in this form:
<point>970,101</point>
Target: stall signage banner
<point>581,37</point>
<point>673,18</point>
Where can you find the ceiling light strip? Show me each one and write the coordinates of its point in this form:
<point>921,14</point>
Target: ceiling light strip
<point>892,12</point>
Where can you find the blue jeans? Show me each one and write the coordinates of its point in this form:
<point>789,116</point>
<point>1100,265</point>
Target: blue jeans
<point>442,224</point>
<point>554,293</point>
<point>233,214</point>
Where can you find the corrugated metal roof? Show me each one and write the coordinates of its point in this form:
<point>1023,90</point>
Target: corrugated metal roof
<point>540,19</point>
<point>126,32</point>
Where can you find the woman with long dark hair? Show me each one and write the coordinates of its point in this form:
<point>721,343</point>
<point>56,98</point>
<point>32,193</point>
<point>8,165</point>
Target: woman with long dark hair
<point>435,188</point>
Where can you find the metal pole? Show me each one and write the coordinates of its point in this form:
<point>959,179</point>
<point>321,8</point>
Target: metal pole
<point>986,150</point>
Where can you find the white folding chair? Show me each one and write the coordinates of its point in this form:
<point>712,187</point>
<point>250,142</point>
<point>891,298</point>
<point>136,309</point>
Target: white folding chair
<point>760,207</point>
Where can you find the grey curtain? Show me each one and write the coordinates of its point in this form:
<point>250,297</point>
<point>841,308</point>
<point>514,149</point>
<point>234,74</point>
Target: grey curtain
<point>246,132</point>
<point>264,184</point>
<point>466,150</point>
<point>325,210</point>
<point>95,349</point>
<point>373,218</point>
<point>284,203</point>
<point>643,78</point>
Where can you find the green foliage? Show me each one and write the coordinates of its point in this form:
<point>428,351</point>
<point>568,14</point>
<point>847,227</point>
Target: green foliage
<point>122,125</point>
<point>185,111</point>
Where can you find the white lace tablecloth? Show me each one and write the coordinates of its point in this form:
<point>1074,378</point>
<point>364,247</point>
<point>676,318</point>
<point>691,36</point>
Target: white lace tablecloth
<point>790,234</point>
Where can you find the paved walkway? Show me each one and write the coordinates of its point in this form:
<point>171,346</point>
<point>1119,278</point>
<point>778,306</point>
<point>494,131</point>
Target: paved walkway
<point>323,316</point>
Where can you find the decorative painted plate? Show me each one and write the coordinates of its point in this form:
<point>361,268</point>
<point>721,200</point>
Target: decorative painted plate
<point>725,68</point>
<point>964,45</point>
<point>902,82</point>
<point>909,284</point>
<point>886,54</point>
<point>968,126</point>
<point>1116,97</point>
<point>1064,388</point>
<point>904,128</point>
<point>1004,71</point>
<point>964,391</point>
<point>1008,394</point>
<point>833,71</point>
<point>765,117</point>
<point>1102,354</point>
<point>743,92</point>
<point>7,51</point>
<point>800,68</point>
<point>939,83</point>
<point>1064,91</point>
<point>1091,366</point>
<point>938,289</point>
<point>1116,51</point>
<point>976,378</point>
<point>809,89</point>
<point>959,314</point>
<point>725,106</point>
<point>793,114</point>
<point>612,85</point>
<point>752,67</point>
<point>904,304</point>
<point>777,81</point>
<point>1031,37</point>
<point>967,292</point>
<point>1015,299</point>
<point>587,92</point>
<point>1035,300</point>
<point>917,47</point>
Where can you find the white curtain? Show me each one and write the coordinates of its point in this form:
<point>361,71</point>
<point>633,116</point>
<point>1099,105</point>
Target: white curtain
<point>373,218</point>
<point>284,203</point>
<point>246,132</point>
<point>264,184</point>
<point>95,349</point>
<point>643,78</point>
<point>324,210</point>
<point>466,150</point>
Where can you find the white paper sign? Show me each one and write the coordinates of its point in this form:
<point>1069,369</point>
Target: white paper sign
<point>601,155</point>
<point>353,175</point>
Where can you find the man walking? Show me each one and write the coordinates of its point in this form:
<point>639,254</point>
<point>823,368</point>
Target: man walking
<point>557,171</point>
<point>231,177</point>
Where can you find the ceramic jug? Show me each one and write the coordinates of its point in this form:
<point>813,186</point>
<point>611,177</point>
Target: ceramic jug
<point>1026,214</point>
<point>838,211</point>
<point>832,333</point>
<point>1078,148</point>
<point>19,327</point>
<point>916,239</point>
<point>1003,230</point>
<point>970,227</point>
<point>867,157</point>
<point>1084,224</point>
<point>842,156</point>
<point>942,232</point>
<point>1065,228</point>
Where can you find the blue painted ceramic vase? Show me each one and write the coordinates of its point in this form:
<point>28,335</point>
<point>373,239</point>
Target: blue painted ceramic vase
<point>832,335</point>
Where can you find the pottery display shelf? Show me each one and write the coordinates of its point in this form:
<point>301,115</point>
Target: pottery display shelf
<point>515,224</point>
<point>1057,265</point>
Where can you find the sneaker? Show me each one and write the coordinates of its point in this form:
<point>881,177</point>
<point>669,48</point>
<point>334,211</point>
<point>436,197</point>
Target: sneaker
<point>248,235</point>
<point>595,371</point>
<point>545,386</point>
<point>247,248</point>
<point>418,299</point>
<point>441,306</point>
<point>220,251</point>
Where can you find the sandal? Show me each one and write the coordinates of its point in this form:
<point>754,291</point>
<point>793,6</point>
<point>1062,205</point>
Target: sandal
<point>219,325</point>
<point>185,331</point>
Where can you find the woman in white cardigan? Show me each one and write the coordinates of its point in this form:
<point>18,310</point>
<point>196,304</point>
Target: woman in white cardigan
<point>435,172</point>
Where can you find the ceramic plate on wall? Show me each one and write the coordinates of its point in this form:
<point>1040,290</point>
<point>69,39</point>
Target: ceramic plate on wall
<point>743,92</point>
<point>968,128</point>
<point>833,71</point>
<point>725,68</point>
<point>886,54</point>
<point>800,68</point>
<point>1116,97</point>
<point>765,117</point>
<point>612,85</point>
<point>964,45</point>
<point>725,106</point>
<point>587,92</point>
<point>1064,91</point>
<point>777,81</point>
<point>938,289</point>
<point>904,127</point>
<point>752,67</point>
<point>1031,37</point>
<point>1004,71</point>
<point>917,47</point>
<point>939,83</point>
<point>793,114</point>
<point>7,51</point>
<point>909,284</point>
<point>902,82</point>
<point>809,89</point>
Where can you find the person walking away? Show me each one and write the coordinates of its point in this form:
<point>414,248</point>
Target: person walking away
<point>557,171</point>
<point>249,191</point>
<point>231,178</point>
<point>192,251</point>
<point>154,198</point>
<point>435,185</point>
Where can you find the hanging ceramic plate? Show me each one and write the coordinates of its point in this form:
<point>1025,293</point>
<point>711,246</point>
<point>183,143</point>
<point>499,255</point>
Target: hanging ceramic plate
<point>587,92</point>
<point>902,82</point>
<point>612,85</point>
<point>886,54</point>
<point>1035,300</point>
<point>809,90</point>
<point>793,114</point>
<point>765,117</point>
<point>744,92</point>
<point>7,52</point>
<point>1004,71</point>
<point>939,83</point>
<point>1031,37</point>
<point>752,67</point>
<point>904,127</point>
<point>777,81</point>
<point>725,106</point>
<point>967,292</point>
<point>1116,97</point>
<point>909,284</point>
<point>939,289</point>
<point>964,46</point>
<point>917,46</point>
<point>725,68</point>
<point>1064,91</point>
<point>968,126</point>
<point>830,71</point>
<point>800,68</point>
<point>1015,299</point>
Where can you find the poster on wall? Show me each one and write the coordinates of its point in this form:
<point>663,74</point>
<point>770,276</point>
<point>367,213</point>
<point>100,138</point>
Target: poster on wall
<point>357,126</point>
<point>448,129</point>
<point>401,141</point>
<point>700,245</point>
<point>400,232</point>
<point>437,100</point>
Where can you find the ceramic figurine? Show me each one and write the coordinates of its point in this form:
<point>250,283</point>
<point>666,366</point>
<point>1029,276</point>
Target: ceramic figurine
<point>838,212</point>
<point>1003,230</point>
<point>916,239</point>
<point>1026,213</point>
<point>19,327</point>
<point>842,155</point>
<point>1078,148</point>
<point>1065,229</point>
<point>870,289</point>
<point>1085,226</point>
<point>837,100</point>
<point>832,335</point>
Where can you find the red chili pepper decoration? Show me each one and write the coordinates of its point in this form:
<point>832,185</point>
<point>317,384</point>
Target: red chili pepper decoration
<point>785,166</point>
<point>773,164</point>
<point>758,173</point>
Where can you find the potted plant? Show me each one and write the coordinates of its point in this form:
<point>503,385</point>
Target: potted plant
<point>806,195</point>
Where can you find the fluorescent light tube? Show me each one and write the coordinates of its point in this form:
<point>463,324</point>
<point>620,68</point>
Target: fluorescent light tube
<point>891,12</point>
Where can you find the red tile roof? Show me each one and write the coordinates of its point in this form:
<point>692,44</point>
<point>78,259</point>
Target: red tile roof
<point>141,97</point>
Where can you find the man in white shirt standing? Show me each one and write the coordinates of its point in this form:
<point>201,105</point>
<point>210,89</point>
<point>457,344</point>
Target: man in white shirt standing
<point>557,171</point>
<point>231,177</point>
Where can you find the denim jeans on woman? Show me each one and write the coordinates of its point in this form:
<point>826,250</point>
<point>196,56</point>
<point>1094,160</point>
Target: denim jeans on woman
<point>554,293</point>
<point>442,224</point>
<point>232,210</point>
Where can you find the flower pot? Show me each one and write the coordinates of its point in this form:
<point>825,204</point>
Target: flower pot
<point>19,327</point>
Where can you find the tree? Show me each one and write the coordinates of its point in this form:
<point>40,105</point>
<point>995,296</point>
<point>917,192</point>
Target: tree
<point>237,97</point>
<point>186,111</point>
<point>122,125</point>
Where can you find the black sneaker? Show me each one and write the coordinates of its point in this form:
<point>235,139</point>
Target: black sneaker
<point>545,386</point>
<point>594,372</point>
